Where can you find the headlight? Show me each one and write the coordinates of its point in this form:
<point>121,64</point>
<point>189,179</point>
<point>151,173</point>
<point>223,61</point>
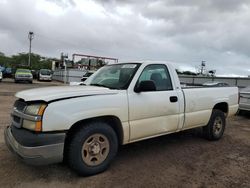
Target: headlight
<point>27,124</point>
<point>34,110</point>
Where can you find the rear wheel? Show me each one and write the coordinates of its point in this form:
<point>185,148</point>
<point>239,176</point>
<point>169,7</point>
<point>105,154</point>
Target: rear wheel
<point>92,148</point>
<point>216,126</point>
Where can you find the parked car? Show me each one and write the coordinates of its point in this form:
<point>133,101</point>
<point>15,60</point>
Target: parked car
<point>86,75</point>
<point>215,84</point>
<point>45,74</point>
<point>23,75</point>
<point>7,73</point>
<point>1,76</point>
<point>119,104</point>
<point>245,99</point>
<point>2,70</point>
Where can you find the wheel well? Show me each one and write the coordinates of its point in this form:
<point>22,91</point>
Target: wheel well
<point>223,106</point>
<point>113,121</point>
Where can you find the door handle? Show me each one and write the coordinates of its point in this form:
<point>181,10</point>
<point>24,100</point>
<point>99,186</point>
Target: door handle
<point>173,99</point>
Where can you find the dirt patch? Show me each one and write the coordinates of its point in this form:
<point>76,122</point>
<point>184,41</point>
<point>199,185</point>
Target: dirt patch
<point>178,160</point>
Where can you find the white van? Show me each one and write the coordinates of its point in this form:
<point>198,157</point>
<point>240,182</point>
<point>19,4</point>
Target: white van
<point>45,74</point>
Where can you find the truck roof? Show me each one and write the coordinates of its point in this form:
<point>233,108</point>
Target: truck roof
<point>144,62</point>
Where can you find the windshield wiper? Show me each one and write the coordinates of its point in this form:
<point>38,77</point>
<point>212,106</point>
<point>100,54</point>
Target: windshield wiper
<point>100,85</point>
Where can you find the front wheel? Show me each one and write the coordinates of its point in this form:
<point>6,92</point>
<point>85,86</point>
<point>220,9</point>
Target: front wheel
<point>92,148</point>
<point>216,126</point>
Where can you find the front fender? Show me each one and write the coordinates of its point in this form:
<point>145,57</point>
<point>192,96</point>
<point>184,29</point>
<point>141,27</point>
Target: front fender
<point>62,114</point>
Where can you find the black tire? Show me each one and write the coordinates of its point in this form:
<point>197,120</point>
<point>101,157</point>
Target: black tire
<point>74,154</point>
<point>216,126</point>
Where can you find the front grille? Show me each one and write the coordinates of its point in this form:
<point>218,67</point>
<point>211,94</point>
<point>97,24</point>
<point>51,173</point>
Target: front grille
<point>16,119</point>
<point>23,76</point>
<point>18,106</point>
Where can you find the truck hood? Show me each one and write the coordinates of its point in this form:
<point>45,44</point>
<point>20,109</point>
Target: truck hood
<point>62,92</point>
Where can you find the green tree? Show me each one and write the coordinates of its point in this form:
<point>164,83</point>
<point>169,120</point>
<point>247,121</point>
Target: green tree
<point>178,71</point>
<point>5,61</point>
<point>21,61</point>
<point>185,72</point>
<point>189,73</point>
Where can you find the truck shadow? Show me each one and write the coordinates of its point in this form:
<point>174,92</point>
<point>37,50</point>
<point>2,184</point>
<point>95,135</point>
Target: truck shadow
<point>245,114</point>
<point>137,156</point>
<point>126,156</point>
<point>161,143</point>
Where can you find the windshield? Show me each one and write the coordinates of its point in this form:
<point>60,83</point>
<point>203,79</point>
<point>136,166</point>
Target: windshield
<point>45,72</point>
<point>116,76</point>
<point>23,71</point>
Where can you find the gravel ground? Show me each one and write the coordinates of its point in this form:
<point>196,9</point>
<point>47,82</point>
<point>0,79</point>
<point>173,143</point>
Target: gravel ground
<point>178,160</point>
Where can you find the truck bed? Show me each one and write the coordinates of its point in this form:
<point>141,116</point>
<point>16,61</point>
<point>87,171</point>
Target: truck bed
<point>199,102</point>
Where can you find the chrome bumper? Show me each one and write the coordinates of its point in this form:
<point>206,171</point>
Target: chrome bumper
<point>38,155</point>
<point>244,106</point>
<point>45,78</point>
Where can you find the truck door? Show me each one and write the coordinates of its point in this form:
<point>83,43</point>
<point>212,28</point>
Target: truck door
<point>156,112</point>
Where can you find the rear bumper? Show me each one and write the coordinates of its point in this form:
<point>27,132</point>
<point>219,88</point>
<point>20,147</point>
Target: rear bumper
<point>35,152</point>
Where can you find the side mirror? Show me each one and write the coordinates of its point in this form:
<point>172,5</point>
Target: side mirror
<point>146,85</point>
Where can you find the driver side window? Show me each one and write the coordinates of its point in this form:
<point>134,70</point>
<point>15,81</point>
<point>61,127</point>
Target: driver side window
<point>159,75</point>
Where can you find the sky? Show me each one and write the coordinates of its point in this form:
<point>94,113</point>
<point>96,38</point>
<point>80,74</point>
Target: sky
<point>178,31</point>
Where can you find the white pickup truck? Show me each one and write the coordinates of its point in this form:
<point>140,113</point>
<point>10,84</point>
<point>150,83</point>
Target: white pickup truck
<point>119,104</point>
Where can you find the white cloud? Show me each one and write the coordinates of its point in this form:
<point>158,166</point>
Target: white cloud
<point>3,1</point>
<point>185,32</point>
<point>49,8</point>
<point>90,8</point>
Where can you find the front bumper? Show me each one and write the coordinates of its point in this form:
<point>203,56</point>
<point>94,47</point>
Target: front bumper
<point>33,148</point>
<point>23,79</point>
<point>244,106</point>
<point>45,78</point>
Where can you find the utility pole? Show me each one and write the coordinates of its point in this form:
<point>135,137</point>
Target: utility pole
<point>30,37</point>
<point>64,57</point>
<point>203,65</point>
